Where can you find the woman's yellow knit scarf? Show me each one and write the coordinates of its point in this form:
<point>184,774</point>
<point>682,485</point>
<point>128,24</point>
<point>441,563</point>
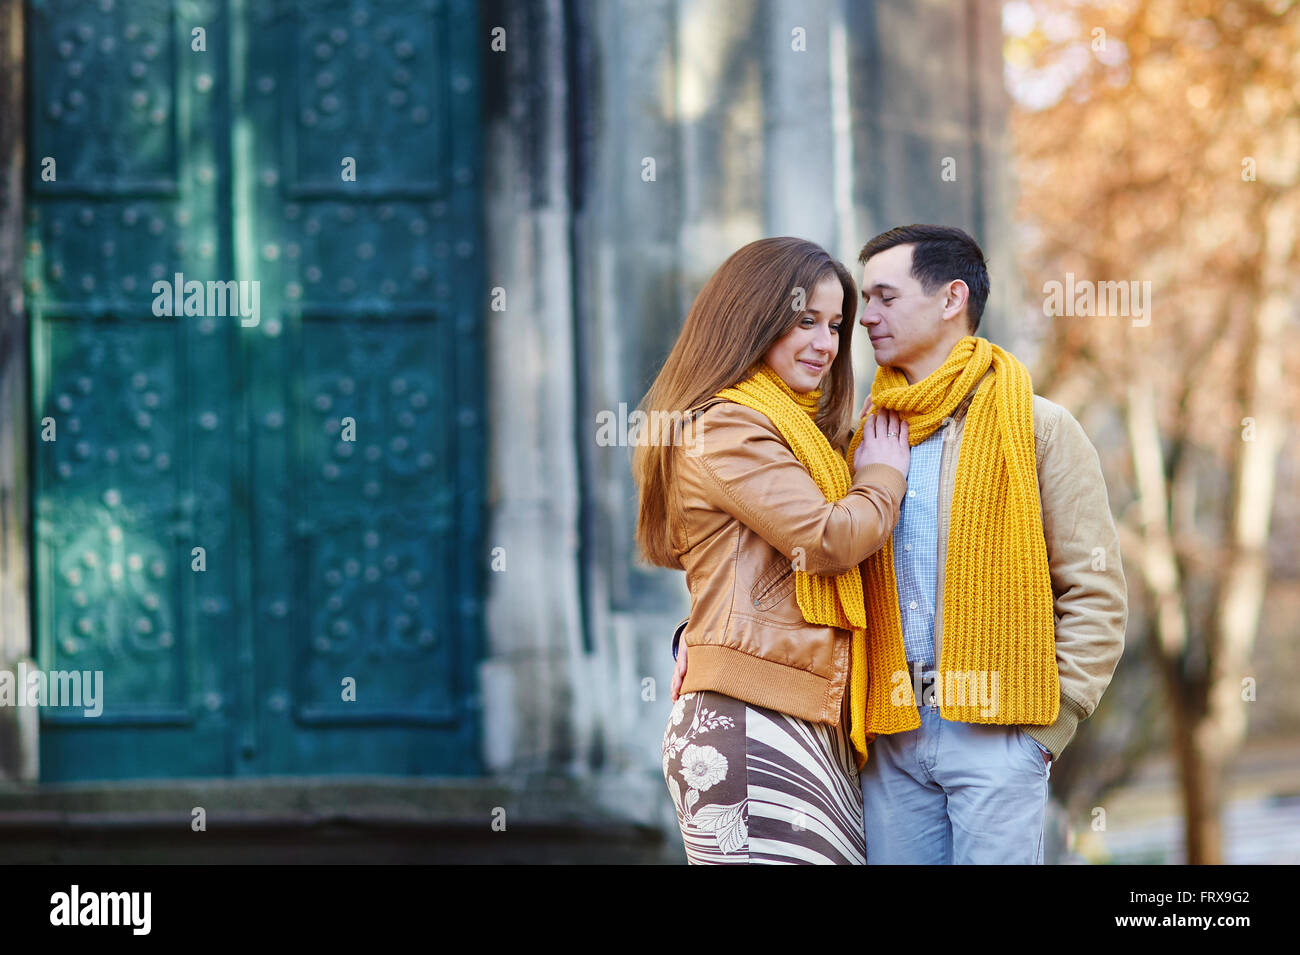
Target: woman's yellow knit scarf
<point>997,598</point>
<point>830,601</point>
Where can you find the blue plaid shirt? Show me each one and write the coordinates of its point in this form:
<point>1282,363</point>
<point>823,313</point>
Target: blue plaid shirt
<point>916,549</point>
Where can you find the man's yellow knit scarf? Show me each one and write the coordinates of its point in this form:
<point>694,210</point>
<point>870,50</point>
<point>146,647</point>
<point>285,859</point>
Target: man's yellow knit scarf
<point>998,620</point>
<point>830,601</point>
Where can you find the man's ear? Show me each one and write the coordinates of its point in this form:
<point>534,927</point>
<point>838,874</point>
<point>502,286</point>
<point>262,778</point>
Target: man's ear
<point>954,303</point>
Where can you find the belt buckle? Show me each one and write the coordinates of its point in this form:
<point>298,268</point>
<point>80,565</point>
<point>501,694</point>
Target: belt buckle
<point>927,679</point>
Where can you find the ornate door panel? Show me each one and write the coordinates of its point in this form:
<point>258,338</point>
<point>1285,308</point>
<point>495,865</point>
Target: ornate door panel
<point>322,449</point>
<point>360,181</point>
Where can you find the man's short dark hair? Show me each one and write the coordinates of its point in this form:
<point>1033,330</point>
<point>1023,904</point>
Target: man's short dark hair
<point>940,254</point>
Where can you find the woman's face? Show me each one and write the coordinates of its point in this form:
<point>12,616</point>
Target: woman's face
<point>804,354</point>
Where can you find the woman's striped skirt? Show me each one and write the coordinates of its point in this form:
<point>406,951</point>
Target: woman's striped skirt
<point>752,785</point>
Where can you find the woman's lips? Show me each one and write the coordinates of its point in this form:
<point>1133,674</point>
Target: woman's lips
<point>810,366</point>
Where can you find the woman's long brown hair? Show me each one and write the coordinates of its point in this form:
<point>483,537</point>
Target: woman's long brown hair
<point>743,309</point>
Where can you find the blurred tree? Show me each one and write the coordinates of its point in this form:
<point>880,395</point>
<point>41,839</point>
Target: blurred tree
<point>1159,141</point>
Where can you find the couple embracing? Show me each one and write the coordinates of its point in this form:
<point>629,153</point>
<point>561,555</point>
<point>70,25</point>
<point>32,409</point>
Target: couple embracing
<point>894,627</point>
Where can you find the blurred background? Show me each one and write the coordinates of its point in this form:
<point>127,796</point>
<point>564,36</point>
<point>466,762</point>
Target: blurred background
<point>356,565</point>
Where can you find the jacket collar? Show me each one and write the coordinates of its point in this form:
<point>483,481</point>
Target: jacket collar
<point>960,411</point>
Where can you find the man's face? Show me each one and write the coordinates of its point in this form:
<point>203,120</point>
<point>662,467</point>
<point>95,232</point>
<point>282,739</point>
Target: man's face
<point>903,321</point>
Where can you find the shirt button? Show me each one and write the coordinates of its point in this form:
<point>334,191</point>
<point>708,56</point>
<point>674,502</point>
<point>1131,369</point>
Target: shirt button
<point>911,494</point>
<point>912,605</point>
<point>907,547</point>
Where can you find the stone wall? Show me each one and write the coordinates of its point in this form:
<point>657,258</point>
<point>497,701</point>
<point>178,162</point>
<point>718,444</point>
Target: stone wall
<point>750,135</point>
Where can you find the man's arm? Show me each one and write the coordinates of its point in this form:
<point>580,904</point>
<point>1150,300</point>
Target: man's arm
<point>1088,586</point>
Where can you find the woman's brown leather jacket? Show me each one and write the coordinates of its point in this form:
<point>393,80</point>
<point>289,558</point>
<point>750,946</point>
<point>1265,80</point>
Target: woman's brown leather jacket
<point>744,512</point>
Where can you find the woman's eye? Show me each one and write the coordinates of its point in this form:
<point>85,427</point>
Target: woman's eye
<point>835,327</point>
<point>888,300</point>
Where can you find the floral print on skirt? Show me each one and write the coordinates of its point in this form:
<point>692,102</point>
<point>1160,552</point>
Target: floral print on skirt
<point>752,785</point>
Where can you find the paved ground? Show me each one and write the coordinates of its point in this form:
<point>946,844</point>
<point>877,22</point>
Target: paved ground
<point>1261,821</point>
<point>329,820</point>
<point>550,820</point>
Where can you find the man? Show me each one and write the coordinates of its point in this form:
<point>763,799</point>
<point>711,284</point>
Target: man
<point>999,605</point>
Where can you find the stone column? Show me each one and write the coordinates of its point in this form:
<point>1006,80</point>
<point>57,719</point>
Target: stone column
<point>18,724</point>
<point>533,657</point>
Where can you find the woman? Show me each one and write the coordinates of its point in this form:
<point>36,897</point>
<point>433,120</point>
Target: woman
<point>763,501</point>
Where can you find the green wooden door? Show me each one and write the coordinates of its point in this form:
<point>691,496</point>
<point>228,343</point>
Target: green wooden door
<point>322,446</point>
